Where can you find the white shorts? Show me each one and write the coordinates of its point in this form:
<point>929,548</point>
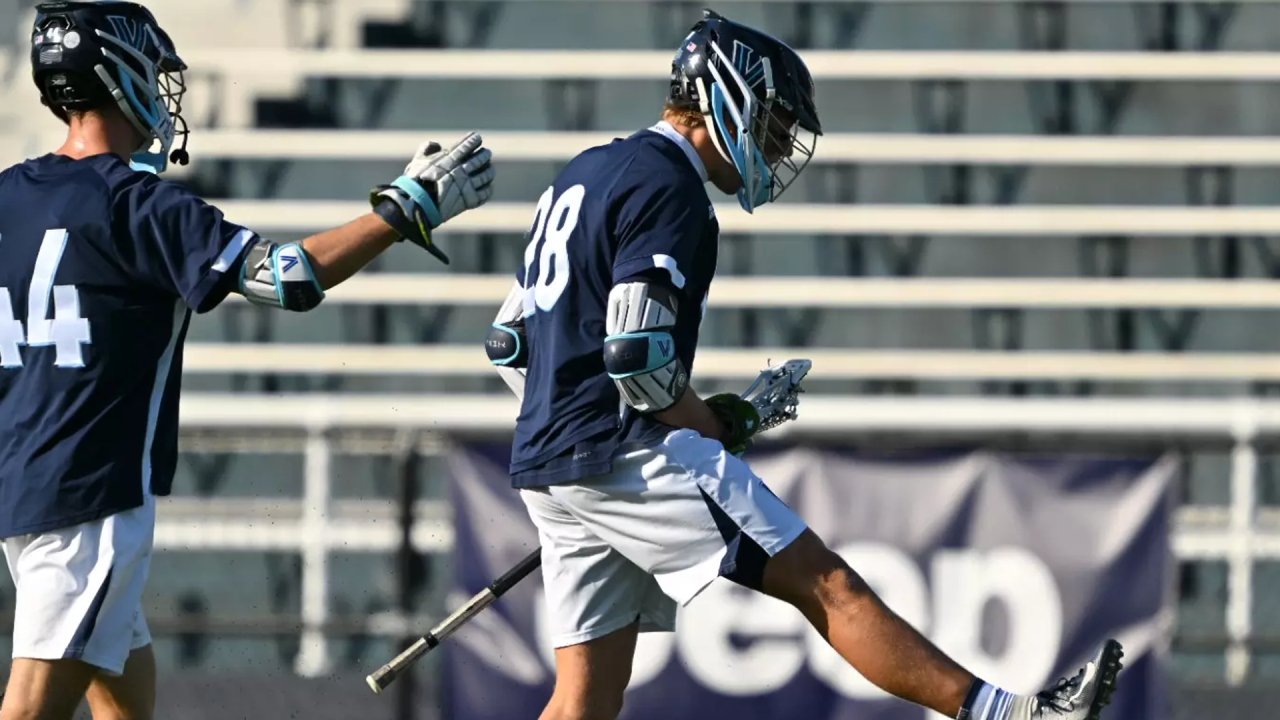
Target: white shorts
<point>79,589</point>
<point>655,532</point>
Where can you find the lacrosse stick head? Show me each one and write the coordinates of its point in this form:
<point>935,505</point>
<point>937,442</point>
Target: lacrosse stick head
<point>775,393</point>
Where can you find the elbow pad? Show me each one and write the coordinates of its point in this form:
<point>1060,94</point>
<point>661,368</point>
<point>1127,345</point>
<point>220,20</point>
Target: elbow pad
<point>507,345</point>
<point>639,351</point>
<point>279,276</point>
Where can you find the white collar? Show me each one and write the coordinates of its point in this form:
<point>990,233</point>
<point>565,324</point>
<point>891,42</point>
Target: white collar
<point>664,128</point>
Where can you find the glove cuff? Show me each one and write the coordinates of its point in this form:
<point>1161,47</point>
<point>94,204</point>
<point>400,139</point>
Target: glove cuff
<point>740,418</point>
<point>405,217</point>
<point>420,197</point>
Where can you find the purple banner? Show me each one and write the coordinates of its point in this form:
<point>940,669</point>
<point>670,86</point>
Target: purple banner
<point>1016,565</point>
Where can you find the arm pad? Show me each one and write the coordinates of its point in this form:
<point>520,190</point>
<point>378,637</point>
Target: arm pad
<point>279,276</point>
<point>507,345</point>
<point>639,351</point>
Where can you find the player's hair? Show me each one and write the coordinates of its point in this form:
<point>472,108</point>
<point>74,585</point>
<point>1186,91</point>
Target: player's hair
<point>681,115</point>
<point>80,113</point>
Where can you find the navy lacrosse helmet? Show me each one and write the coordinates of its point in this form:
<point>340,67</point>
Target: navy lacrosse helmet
<point>757,97</point>
<point>85,55</point>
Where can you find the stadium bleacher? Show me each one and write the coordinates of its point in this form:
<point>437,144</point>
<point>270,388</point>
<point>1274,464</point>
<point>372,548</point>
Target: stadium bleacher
<point>989,204</point>
<point>306,216</point>
<point>837,148</point>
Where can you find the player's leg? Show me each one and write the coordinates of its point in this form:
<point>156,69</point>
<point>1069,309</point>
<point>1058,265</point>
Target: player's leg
<point>53,689</point>
<point>79,590</point>
<point>691,512</point>
<point>44,689</point>
<point>131,695</point>
<point>879,644</point>
<point>592,677</point>
<point>894,656</point>
<point>597,601</point>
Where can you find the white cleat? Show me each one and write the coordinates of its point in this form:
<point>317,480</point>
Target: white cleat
<point>1079,698</point>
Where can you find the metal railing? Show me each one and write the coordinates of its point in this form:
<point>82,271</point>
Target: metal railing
<point>1239,534</point>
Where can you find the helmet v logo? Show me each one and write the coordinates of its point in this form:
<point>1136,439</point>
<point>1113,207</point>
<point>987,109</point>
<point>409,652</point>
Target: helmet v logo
<point>749,65</point>
<point>132,32</point>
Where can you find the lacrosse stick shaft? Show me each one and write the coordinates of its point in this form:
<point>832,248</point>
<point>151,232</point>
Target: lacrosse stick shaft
<point>385,675</point>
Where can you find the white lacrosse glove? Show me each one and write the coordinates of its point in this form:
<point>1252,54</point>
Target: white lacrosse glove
<point>437,186</point>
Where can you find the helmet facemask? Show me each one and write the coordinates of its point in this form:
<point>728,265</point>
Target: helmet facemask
<point>149,93</point>
<point>759,137</point>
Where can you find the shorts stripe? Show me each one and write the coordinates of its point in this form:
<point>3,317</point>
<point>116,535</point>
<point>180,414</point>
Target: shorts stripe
<point>744,559</point>
<point>80,640</point>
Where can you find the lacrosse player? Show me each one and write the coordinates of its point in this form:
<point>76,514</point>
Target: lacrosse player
<point>101,265</point>
<point>634,482</point>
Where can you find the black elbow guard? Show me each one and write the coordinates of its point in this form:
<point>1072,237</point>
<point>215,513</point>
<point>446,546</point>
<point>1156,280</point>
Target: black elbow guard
<point>506,345</point>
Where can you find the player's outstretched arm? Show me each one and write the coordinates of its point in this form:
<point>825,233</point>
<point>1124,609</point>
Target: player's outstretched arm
<point>437,186</point>
<point>339,253</point>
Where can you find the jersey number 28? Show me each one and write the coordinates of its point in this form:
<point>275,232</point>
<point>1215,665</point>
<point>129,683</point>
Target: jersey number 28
<point>553,223</point>
<point>67,331</point>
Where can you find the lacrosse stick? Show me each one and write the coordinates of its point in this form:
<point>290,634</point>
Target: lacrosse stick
<point>775,395</point>
<point>387,674</point>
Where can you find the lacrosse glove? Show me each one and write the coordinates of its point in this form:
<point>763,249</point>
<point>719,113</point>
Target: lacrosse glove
<point>739,416</point>
<point>437,185</point>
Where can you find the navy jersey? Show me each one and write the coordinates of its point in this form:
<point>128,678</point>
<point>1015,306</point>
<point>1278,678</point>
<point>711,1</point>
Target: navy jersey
<point>99,268</point>
<point>635,208</point>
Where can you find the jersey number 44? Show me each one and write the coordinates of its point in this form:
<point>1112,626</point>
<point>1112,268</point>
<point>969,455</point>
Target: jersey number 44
<point>67,330</point>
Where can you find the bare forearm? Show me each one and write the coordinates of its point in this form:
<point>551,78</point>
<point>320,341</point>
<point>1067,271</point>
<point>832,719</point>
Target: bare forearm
<point>692,413</point>
<point>339,253</point>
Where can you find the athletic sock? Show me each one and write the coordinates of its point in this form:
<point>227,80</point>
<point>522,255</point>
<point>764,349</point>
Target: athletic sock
<point>986,702</point>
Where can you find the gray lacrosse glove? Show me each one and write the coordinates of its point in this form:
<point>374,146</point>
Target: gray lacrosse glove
<point>437,185</point>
